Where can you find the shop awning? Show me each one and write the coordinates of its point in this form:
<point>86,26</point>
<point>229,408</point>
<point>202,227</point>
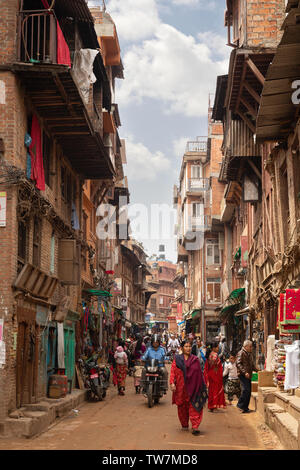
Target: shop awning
<point>188,315</point>
<point>237,293</point>
<point>196,313</point>
<point>238,253</point>
<point>100,293</point>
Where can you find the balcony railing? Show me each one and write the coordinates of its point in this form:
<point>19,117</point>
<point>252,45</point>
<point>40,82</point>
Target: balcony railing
<point>37,37</point>
<point>198,184</point>
<point>197,146</point>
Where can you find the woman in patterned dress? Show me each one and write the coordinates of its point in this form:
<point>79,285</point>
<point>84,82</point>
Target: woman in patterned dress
<point>213,374</point>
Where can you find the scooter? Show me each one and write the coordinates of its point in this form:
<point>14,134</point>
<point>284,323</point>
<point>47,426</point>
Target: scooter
<point>96,378</point>
<point>153,384</point>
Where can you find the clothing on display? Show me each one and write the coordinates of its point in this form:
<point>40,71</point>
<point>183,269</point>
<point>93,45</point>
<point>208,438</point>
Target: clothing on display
<point>292,375</point>
<point>279,360</point>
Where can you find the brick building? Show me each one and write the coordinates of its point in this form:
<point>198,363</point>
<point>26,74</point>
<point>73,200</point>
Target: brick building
<point>59,156</point>
<point>161,282</point>
<point>200,231</point>
<point>254,33</point>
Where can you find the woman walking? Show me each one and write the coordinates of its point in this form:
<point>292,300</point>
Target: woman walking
<point>121,368</point>
<point>213,374</point>
<point>188,386</point>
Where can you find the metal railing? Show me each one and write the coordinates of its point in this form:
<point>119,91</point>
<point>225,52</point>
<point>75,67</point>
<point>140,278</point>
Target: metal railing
<point>37,37</point>
<point>197,146</point>
<point>198,184</point>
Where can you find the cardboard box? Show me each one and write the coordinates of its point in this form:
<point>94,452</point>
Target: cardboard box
<point>265,378</point>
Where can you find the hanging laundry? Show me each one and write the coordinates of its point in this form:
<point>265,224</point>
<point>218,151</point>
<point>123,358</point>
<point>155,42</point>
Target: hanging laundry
<point>63,52</point>
<point>27,142</point>
<point>36,153</point>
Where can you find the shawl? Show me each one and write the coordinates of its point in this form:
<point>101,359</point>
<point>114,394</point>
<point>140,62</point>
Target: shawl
<point>193,380</point>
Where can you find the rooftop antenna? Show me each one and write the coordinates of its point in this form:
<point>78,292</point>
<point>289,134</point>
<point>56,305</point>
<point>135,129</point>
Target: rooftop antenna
<point>104,6</point>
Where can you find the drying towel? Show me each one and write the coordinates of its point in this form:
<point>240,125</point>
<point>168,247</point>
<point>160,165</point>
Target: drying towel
<point>36,153</point>
<point>63,52</point>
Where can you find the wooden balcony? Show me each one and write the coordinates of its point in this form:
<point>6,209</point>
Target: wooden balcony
<point>57,97</point>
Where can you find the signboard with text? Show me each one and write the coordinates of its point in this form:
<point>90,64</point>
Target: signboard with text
<point>3,209</point>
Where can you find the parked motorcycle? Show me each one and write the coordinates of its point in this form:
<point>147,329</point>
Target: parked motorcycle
<point>96,378</point>
<point>153,384</point>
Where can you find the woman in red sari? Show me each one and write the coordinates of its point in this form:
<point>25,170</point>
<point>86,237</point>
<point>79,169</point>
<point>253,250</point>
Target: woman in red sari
<point>188,386</point>
<point>213,374</point>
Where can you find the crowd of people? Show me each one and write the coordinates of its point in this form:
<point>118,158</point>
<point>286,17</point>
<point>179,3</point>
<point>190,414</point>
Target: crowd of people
<point>199,373</point>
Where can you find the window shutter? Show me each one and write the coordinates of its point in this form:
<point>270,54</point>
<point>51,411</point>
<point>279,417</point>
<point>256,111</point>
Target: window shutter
<point>69,262</point>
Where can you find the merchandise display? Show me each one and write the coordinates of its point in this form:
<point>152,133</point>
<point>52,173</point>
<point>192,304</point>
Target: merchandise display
<point>280,360</point>
<point>292,371</point>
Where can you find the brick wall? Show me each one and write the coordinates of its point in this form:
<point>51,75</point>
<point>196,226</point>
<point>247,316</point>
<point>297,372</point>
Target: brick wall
<point>8,25</point>
<point>264,20</point>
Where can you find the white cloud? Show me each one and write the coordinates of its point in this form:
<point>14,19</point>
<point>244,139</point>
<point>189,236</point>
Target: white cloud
<point>144,165</point>
<point>179,146</point>
<point>135,19</point>
<point>177,69</point>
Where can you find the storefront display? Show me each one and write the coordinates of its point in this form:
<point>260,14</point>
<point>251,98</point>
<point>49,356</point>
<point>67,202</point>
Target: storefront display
<point>280,360</point>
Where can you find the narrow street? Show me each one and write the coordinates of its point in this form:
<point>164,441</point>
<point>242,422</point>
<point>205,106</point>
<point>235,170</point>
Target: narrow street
<point>126,423</point>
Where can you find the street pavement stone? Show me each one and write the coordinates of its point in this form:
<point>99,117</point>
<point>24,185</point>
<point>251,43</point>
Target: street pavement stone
<point>126,423</point>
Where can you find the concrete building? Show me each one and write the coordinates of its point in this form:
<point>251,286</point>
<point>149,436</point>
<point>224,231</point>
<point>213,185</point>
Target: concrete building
<point>200,231</point>
<point>161,282</point>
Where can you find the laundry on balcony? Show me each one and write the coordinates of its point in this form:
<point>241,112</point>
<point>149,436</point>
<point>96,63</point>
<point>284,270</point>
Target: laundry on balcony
<point>63,52</point>
<point>36,153</point>
<point>83,70</point>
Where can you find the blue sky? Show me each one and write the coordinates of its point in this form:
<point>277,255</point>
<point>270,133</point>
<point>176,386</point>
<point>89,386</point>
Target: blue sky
<point>172,51</point>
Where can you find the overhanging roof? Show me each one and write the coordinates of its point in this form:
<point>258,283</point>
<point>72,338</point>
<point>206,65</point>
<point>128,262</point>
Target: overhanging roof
<point>56,97</point>
<point>221,87</point>
<point>277,114</point>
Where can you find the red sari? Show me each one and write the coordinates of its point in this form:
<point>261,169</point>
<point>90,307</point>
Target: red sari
<point>181,398</point>
<point>213,374</point>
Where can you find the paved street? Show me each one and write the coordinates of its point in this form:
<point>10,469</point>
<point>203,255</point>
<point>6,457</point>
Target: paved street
<point>126,423</point>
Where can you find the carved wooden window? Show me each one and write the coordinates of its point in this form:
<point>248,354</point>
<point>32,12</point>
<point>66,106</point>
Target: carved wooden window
<point>69,262</point>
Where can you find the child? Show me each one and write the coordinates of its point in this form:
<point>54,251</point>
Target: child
<point>137,374</point>
<point>233,383</point>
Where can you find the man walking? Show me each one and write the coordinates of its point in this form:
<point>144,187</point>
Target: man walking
<point>245,367</point>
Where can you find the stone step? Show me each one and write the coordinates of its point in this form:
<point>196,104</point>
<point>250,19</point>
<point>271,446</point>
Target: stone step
<point>283,424</point>
<point>291,403</point>
<point>33,419</point>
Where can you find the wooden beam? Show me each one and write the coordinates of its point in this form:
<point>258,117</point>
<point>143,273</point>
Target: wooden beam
<point>249,107</point>
<point>256,171</point>
<point>247,121</point>
<point>66,124</point>
<point>255,70</point>
<point>241,85</point>
<point>71,133</point>
<point>252,92</point>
